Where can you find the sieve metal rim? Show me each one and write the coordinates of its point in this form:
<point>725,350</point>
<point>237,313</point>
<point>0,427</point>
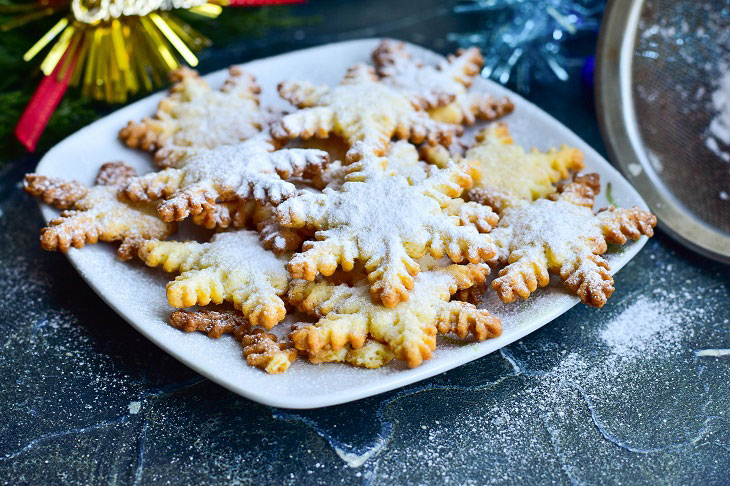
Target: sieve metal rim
<point>617,121</point>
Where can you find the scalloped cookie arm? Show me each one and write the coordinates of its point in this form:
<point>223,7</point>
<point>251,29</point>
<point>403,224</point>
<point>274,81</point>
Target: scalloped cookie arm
<point>412,337</point>
<point>241,83</point>
<point>566,160</point>
<point>258,302</point>
<point>213,323</point>
<point>194,199</point>
<point>265,188</point>
<point>486,107</point>
<point>332,332</point>
<point>418,127</point>
<point>298,161</point>
<point>302,94</point>
<point>588,277</point>
<point>527,269</point>
<point>445,184</point>
<point>618,224</point>
<point>54,191</point>
<point>371,355</point>
<point>391,276</point>
<point>172,255</point>
<point>144,135</point>
<point>154,186</point>
<point>150,133</point>
<point>114,174</point>
<point>463,319</point>
<point>306,123</point>
<point>482,217</point>
<point>581,191</point>
<point>464,65</point>
<point>197,287</point>
<point>322,256</point>
<point>72,228</point>
<point>305,210</point>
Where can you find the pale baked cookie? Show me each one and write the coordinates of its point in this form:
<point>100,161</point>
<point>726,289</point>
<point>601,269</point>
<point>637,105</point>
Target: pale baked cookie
<point>508,171</point>
<point>232,267</point>
<point>360,108</point>
<point>384,222</point>
<point>372,354</point>
<point>246,170</point>
<point>95,213</point>
<point>442,89</point>
<point>348,316</point>
<point>194,116</point>
<point>562,235</point>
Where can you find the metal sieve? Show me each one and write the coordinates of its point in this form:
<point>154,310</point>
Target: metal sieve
<point>659,63</point>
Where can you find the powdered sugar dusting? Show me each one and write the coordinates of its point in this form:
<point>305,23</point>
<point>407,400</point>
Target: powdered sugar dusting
<point>242,249</point>
<point>424,84</point>
<point>365,222</point>
<point>197,117</point>
<point>249,170</point>
<point>719,129</point>
<point>557,225</point>
<point>647,326</point>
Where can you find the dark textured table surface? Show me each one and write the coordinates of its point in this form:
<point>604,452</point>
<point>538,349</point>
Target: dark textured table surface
<point>636,392</point>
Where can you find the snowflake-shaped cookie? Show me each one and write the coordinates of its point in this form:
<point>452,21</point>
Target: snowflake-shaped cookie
<point>384,222</point>
<point>442,89</point>
<point>562,235</point>
<point>360,108</point>
<point>347,315</point>
<point>232,267</point>
<point>507,171</point>
<point>95,213</point>
<point>246,170</point>
<point>194,116</point>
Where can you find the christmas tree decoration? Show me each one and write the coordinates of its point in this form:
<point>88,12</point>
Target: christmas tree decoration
<point>525,39</point>
<point>110,48</point>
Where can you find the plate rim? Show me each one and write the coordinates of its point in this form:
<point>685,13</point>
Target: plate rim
<point>394,381</point>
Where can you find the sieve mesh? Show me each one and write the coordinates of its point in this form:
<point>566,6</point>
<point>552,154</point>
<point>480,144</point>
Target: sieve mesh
<point>682,49</point>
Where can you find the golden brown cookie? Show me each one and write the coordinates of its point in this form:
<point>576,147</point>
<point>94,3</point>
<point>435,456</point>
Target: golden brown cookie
<point>360,108</point>
<point>562,235</point>
<point>194,116</point>
<point>232,267</point>
<point>95,213</point>
<point>348,316</point>
<point>385,222</point>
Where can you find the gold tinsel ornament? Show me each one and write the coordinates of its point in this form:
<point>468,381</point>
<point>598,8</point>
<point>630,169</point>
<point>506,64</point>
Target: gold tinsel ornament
<point>111,48</point>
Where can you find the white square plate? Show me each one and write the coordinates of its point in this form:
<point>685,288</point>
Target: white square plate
<point>138,294</point>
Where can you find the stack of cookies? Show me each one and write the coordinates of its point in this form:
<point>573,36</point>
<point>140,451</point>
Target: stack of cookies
<point>361,208</point>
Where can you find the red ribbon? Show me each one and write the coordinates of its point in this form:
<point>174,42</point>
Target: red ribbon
<point>42,105</point>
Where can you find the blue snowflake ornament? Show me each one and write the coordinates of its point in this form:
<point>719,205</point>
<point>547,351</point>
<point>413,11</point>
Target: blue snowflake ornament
<point>525,39</point>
